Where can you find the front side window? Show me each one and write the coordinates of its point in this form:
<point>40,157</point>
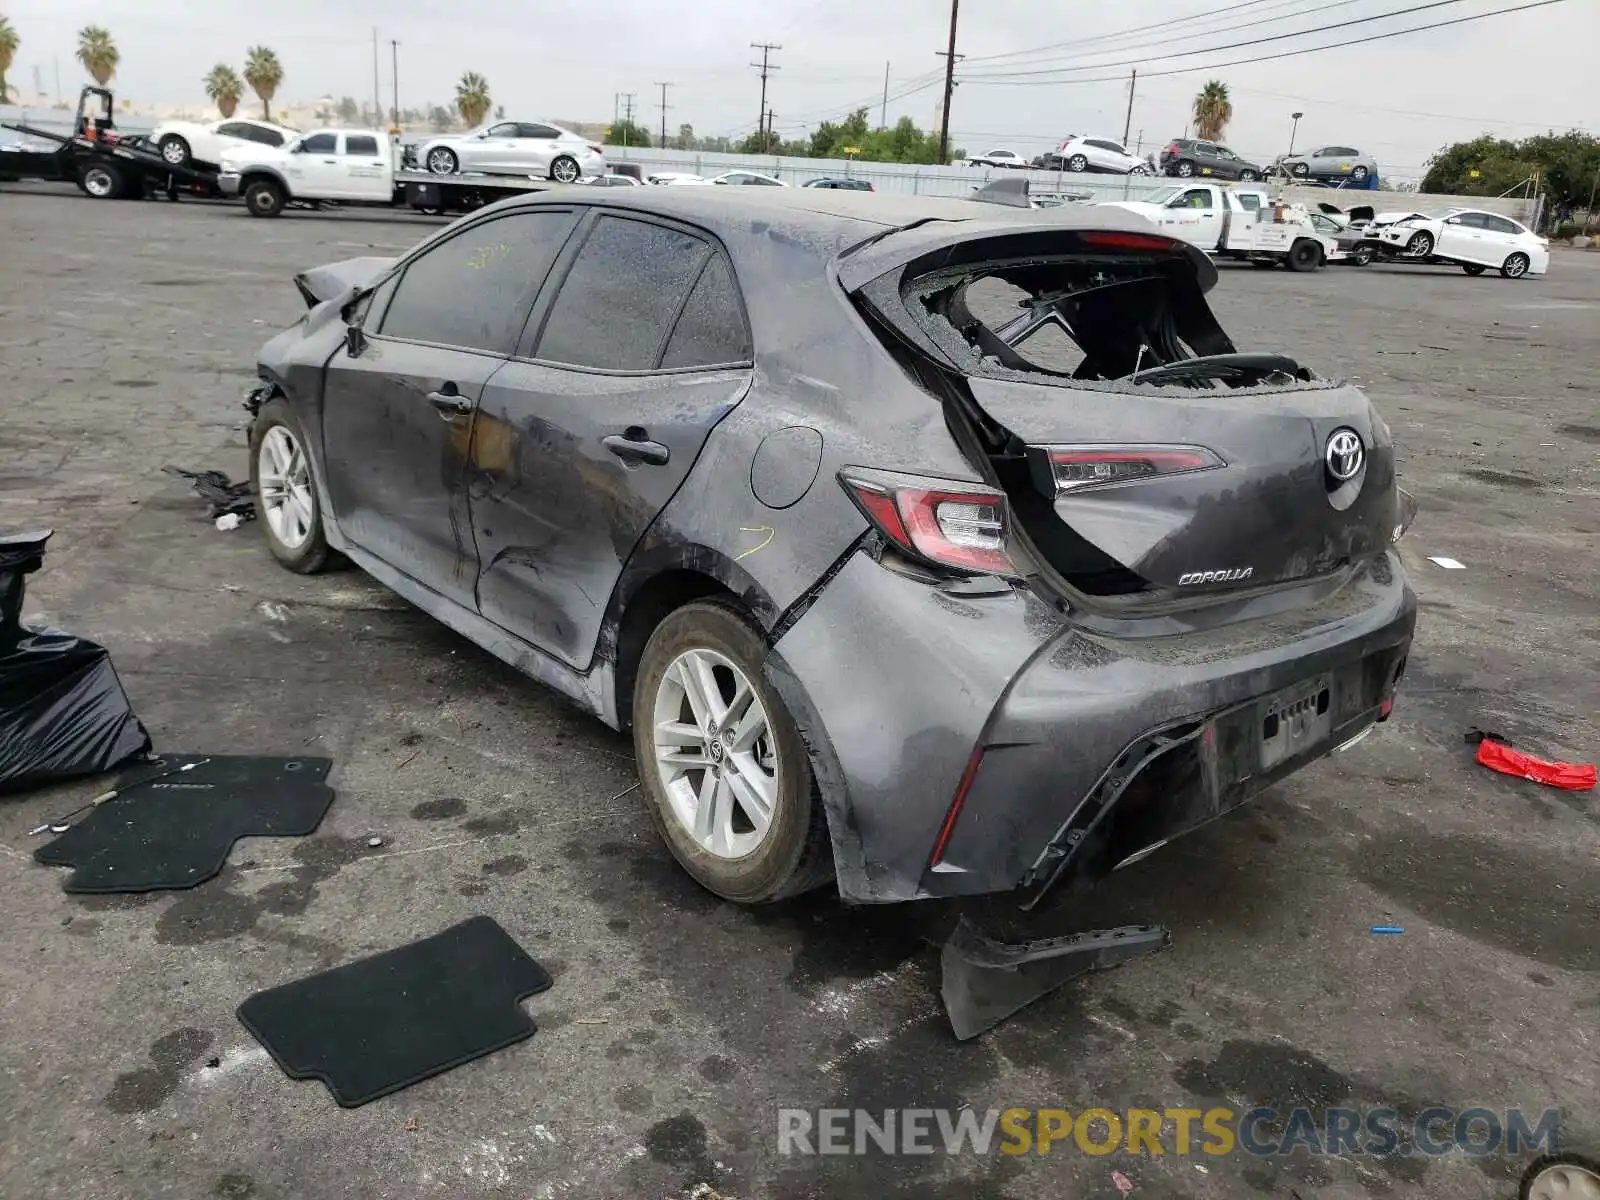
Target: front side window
<point>472,291</point>
<point>622,297</point>
<point>1194,198</point>
<point>321,143</point>
<point>506,130</point>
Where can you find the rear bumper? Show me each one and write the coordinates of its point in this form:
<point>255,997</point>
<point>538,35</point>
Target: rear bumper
<point>1074,749</point>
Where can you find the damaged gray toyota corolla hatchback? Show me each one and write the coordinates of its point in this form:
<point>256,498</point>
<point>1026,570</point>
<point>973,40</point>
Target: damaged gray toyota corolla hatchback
<point>789,483</point>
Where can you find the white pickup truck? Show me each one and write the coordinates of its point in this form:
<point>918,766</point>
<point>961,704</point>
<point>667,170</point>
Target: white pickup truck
<point>352,166</point>
<point>1239,222</point>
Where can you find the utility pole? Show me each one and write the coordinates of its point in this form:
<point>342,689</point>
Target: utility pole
<point>394,51</point>
<point>883,113</point>
<point>663,106</point>
<point>949,86</point>
<point>1127,122</point>
<point>1294,129</point>
<point>58,80</point>
<point>627,104</point>
<point>377,95</point>
<point>766,68</point>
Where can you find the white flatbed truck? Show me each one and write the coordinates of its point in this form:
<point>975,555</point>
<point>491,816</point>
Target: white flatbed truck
<point>1239,222</point>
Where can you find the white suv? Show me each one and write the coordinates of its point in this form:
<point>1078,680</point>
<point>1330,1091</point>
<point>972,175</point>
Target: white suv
<point>1085,154</point>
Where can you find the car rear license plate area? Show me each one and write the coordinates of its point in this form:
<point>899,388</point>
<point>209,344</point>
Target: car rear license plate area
<point>1295,720</point>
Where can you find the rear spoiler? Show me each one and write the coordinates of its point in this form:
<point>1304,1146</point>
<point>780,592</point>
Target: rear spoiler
<point>321,284</point>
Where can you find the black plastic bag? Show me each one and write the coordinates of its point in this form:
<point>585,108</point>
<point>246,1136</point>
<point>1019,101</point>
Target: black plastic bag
<point>63,712</point>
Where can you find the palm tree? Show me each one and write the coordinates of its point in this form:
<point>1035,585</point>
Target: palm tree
<point>98,53</point>
<point>225,88</point>
<point>472,98</point>
<point>263,72</point>
<point>1212,111</point>
<point>9,41</point>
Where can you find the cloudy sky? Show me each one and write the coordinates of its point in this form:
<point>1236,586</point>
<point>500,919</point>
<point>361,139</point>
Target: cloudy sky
<point>1035,70</point>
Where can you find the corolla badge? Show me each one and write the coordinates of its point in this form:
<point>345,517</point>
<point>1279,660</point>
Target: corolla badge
<point>1344,454</point>
<point>1232,575</point>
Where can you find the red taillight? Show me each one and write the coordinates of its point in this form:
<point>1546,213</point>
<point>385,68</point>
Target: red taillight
<point>1172,149</point>
<point>1072,467</point>
<point>950,817</point>
<point>953,524</point>
<point>1110,239</point>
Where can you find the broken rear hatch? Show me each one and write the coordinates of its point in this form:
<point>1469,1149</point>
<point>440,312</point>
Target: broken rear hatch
<point>1147,464</point>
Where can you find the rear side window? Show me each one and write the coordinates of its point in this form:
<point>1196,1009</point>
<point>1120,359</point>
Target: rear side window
<point>710,330</point>
<point>361,145</point>
<point>473,291</point>
<point>1500,224</point>
<point>1250,201</point>
<point>622,296</point>
<point>537,131</point>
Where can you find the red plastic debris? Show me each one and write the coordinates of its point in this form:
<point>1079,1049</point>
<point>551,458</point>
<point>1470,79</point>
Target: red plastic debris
<point>1574,777</point>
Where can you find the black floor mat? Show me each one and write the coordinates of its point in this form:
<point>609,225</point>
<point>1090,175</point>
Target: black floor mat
<point>383,1023</point>
<point>176,831</point>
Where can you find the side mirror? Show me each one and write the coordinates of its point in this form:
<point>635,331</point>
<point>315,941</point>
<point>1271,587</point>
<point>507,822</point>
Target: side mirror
<point>354,340</point>
<point>483,134</point>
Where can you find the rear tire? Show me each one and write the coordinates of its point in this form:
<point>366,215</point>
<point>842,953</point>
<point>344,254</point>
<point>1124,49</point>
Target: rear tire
<point>1362,255</point>
<point>1359,175</point>
<point>564,169</point>
<point>175,151</point>
<point>264,197</point>
<point>1304,255</point>
<point>307,552</point>
<point>1472,268</point>
<point>792,855</point>
<point>1515,267</point>
<point>102,181</point>
<point>1184,170</point>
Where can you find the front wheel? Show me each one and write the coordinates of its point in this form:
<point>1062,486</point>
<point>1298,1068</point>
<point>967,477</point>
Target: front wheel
<point>564,169</point>
<point>724,769</point>
<point>1185,170</point>
<point>102,181</point>
<point>1359,175</point>
<point>442,161</point>
<point>1077,164</point>
<point>286,494</point>
<point>1472,268</point>
<point>1515,267</point>
<point>265,198</point>
<point>1420,245</point>
<point>1141,169</point>
<point>174,151</point>
<point>1247,176</point>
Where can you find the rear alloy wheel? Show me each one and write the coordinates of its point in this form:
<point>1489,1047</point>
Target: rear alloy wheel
<point>1077,164</point>
<point>1515,267</point>
<point>1420,245</point>
<point>442,161</point>
<point>1185,170</point>
<point>101,181</point>
<point>1247,176</point>
<point>286,494</point>
<point>264,198</point>
<point>174,150</point>
<point>1472,268</point>
<point>1301,169</point>
<point>1304,255</point>
<point>1362,255</point>
<point>1359,175</point>
<point>722,763</point>
<point>564,169</point>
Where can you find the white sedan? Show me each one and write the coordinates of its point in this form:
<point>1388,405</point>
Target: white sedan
<point>749,179</point>
<point>1478,241</point>
<point>677,179</point>
<point>515,148</point>
<point>183,142</point>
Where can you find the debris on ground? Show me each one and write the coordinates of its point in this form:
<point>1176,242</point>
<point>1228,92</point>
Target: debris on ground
<point>225,497</point>
<point>1123,1183</point>
<point>1449,564</point>
<point>1499,756</point>
<point>1387,929</point>
<point>63,713</point>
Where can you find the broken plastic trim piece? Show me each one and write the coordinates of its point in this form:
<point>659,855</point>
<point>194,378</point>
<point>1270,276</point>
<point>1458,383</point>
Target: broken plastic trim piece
<point>985,981</point>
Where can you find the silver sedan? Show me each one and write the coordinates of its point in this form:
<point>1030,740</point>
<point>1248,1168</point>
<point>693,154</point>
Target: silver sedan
<point>514,148</point>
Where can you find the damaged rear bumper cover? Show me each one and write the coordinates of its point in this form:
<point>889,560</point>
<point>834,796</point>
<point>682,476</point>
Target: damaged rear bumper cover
<point>980,743</point>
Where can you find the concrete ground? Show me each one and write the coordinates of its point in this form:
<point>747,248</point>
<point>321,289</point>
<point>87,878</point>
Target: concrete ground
<point>678,1025</point>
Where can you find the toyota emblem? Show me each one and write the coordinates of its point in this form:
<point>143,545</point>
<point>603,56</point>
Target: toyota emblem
<point>1344,454</point>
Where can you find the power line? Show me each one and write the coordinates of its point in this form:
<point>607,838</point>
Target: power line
<point>1276,37</point>
<point>1376,37</point>
<point>1399,112</point>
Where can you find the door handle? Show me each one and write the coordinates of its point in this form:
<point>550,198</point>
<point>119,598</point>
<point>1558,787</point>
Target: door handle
<point>450,403</point>
<point>332,162</point>
<point>634,446</point>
